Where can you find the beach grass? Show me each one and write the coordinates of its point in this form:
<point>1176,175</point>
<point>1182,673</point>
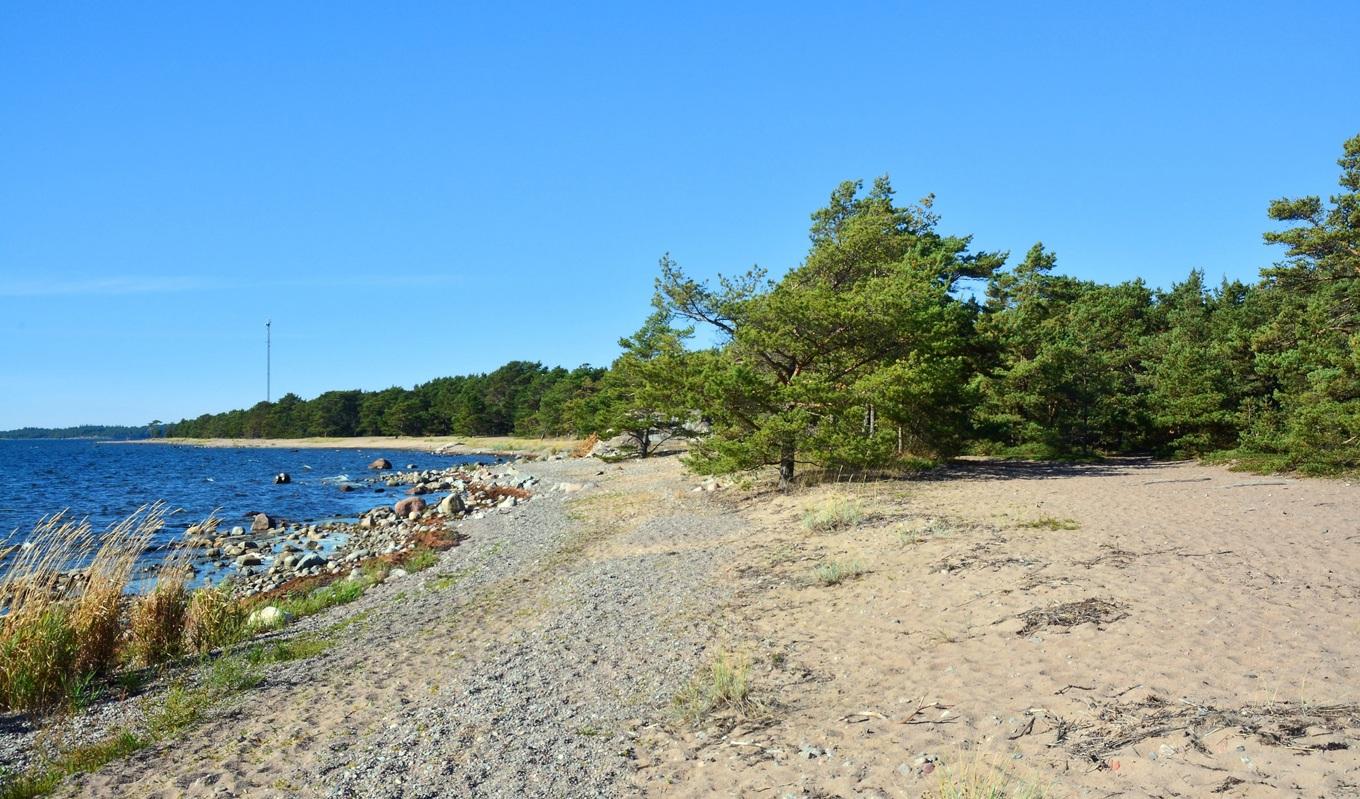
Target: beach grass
<point>835,572</point>
<point>157,622</point>
<point>178,708</point>
<point>60,630</point>
<point>834,513</point>
<point>977,778</point>
<point>340,592</point>
<point>723,684</point>
<point>215,619</point>
<point>1053,523</point>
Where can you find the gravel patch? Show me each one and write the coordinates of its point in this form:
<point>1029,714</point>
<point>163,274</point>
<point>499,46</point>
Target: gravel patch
<point>523,663</point>
<point>552,711</point>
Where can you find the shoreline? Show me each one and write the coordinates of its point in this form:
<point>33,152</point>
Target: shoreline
<point>454,445</point>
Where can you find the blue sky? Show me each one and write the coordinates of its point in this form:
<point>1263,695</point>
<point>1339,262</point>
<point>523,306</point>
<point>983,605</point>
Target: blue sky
<point>413,190</point>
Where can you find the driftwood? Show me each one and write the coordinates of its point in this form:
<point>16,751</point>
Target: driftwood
<point>1293,725</point>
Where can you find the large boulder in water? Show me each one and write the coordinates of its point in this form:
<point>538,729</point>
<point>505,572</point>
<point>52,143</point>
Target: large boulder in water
<point>282,478</point>
<point>261,523</point>
<point>408,506</point>
<point>381,464</point>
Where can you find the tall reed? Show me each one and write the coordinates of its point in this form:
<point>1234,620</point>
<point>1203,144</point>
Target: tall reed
<point>98,613</point>
<point>37,643</point>
<point>215,619</point>
<point>158,617</point>
<point>61,627</point>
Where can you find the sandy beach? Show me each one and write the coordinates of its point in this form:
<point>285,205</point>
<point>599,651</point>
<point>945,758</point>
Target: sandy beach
<point>1129,628</point>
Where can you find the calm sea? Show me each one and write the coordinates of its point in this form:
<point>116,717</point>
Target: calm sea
<point>106,482</point>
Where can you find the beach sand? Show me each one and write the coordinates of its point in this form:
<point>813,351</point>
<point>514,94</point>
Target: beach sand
<point>1127,628</point>
<point>1212,650</point>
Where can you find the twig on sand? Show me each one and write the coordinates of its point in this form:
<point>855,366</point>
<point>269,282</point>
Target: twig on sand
<point>1262,483</point>
<point>1070,686</point>
<point>921,708</point>
<point>862,716</point>
<point>1023,731</point>
<point>1122,557</point>
<point>1184,480</point>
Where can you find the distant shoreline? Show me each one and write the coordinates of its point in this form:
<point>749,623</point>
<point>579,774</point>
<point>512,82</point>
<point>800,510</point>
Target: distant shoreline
<point>462,445</point>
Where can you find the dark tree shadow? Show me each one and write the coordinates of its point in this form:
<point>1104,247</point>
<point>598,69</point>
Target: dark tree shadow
<point>990,469</point>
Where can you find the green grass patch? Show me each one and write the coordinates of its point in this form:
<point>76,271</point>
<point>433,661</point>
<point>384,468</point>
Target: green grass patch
<point>284,651</point>
<point>1051,523</point>
<point>1033,452</point>
<point>1266,463</point>
<point>355,620</point>
<point>724,684</point>
<point>835,572</point>
<point>181,706</point>
<point>43,780</point>
<point>340,592</point>
<point>420,560</point>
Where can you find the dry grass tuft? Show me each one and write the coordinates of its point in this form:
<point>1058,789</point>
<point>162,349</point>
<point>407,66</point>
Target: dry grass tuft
<point>584,448</point>
<point>979,779</point>
<point>98,613</point>
<point>1070,614</point>
<point>835,513</point>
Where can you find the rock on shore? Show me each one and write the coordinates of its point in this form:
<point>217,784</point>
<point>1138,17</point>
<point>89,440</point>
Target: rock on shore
<point>274,552</point>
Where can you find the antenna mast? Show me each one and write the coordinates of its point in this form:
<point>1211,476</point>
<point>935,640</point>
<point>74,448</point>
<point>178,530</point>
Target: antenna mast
<point>268,360</point>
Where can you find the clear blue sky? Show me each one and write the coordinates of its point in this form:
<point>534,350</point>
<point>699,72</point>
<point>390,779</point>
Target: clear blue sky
<point>414,190</point>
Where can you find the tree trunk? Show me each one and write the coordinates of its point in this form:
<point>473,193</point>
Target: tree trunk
<point>786,454</point>
<point>645,443</point>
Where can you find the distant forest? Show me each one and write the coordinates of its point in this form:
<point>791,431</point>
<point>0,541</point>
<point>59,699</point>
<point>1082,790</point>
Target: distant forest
<point>520,398</point>
<point>893,344</point>
<point>101,431</point>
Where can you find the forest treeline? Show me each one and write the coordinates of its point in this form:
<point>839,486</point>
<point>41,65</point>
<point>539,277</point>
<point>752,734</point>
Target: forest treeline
<point>94,431</point>
<point>893,343</point>
<point>519,398</point>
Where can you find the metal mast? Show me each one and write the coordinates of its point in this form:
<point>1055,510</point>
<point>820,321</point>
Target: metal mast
<point>268,360</point>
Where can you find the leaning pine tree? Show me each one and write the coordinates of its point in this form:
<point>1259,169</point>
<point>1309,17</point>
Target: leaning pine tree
<point>855,358</point>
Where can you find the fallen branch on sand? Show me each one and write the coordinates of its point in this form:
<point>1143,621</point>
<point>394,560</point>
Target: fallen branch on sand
<point>1119,725</point>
